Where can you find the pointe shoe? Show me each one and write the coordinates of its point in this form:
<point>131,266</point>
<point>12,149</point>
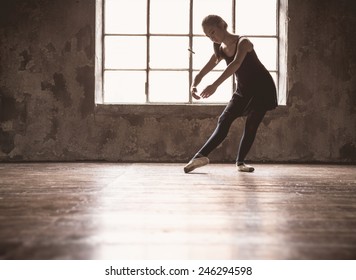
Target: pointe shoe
<point>195,163</point>
<point>245,168</point>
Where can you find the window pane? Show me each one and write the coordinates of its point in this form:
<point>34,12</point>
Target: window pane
<point>128,54</point>
<point>169,86</point>
<point>203,48</point>
<point>124,87</point>
<point>202,8</point>
<point>125,17</point>
<point>169,52</point>
<point>266,50</point>
<point>256,17</point>
<point>223,93</point>
<point>123,52</point>
<point>169,16</point>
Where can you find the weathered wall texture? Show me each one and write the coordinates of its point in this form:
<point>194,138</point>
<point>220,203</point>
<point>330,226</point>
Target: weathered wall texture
<point>47,93</point>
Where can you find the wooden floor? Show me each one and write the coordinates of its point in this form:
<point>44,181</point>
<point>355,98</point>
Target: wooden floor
<point>155,211</point>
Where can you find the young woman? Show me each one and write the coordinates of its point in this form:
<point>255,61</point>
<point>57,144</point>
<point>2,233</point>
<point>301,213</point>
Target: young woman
<point>255,94</point>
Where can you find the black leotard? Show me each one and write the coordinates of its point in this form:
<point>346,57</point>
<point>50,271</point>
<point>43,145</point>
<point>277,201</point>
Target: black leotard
<point>255,86</point>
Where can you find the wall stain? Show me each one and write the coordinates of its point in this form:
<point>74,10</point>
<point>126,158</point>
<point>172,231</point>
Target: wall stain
<point>348,151</point>
<point>59,89</point>
<point>7,141</point>
<point>52,134</point>
<point>67,47</point>
<point>107,136</point>
<point>156,150</point>
<point>299,92</point>
<point>10,108</point>
<point>352,97</point>
<point>135,120</point>
<point>85,77</point>
<point>50,47</point>
<point>85,41</point>
<point>26,59</point>
<point>7,108</point>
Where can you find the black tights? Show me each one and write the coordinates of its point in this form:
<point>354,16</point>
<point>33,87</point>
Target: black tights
<point>253,121</point>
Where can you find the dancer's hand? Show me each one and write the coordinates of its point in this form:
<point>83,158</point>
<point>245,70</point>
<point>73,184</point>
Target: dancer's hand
<point>194,91</point>
<point>208,91</point>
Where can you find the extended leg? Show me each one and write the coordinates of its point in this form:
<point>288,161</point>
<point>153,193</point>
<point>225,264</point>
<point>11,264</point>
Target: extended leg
<point>219,134</point>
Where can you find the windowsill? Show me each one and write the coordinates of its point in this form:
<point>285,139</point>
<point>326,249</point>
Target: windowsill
<point>159,110</point>
<point>178,110</point>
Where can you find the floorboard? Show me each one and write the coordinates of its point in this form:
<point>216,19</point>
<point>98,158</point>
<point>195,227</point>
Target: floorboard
<point>155,211</point>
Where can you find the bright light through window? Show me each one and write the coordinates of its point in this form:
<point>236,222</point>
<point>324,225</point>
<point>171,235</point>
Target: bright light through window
<point>145,57</point>
<point>169,16</point>
<point>125,17</point>
<point>256,17</point>
<point>168,86</point>
<point>169,52</point>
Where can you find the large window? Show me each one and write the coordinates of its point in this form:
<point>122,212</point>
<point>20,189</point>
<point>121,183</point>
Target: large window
<point>148,51</point>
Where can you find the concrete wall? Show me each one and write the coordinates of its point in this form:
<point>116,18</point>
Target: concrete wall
<point>47,110</point>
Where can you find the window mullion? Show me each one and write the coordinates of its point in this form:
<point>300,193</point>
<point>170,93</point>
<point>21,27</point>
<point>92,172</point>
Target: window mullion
<point>99,51</point>
<point>234,31</point>
<point>191,48</point>
<point>233,16</point>
<point>148,36</point>
<point>278,45</point>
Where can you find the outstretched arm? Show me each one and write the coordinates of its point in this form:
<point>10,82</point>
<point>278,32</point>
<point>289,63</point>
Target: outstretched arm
<point>205,70</point>
<point>243,47</point>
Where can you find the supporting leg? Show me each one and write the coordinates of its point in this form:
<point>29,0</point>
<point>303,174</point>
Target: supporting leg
<point>253,121</point>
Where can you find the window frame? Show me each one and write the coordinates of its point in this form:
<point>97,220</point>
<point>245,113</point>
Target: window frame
<point>281,56</point>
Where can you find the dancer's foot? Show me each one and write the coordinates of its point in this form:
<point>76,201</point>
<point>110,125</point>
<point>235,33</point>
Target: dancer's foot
<point>195,163</point>
<point>242,167</point>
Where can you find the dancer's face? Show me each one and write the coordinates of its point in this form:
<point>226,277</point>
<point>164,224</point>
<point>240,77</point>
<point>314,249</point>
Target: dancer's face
<point>214,33</point>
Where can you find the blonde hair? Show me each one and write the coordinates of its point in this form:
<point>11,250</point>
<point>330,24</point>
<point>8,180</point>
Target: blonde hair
<point>214,20</point>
